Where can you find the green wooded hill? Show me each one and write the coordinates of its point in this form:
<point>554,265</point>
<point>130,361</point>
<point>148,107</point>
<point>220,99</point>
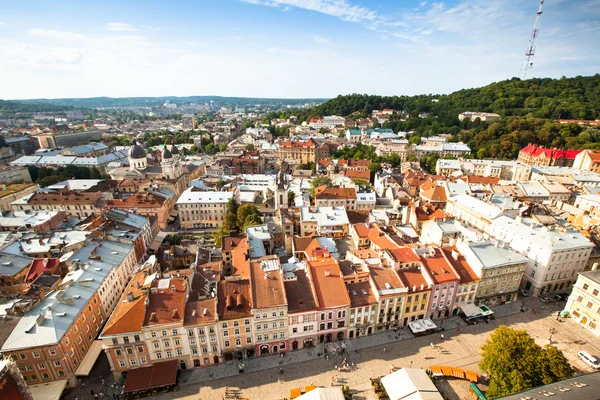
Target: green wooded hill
<point>530,111</point>
<point>567,98</point>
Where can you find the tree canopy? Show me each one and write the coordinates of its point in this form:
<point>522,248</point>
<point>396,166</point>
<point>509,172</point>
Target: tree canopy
<point>514,362</point>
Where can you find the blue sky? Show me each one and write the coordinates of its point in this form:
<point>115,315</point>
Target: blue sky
<point>284,48</point>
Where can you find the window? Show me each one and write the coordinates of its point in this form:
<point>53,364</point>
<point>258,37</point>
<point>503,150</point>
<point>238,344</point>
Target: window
<point>122,363</point>
<point>224,325</point>
<point>174,332</point>
<point>36,354</point>
<point>259,338</point>
<point>61,373</point>
<point>143,360</point>
<point>23,356</point>
<point>179,352</point>
<point>238,342</point>
<point>118,352</point>
<point>164,333</point>
<point>248,340</point>
<point>126,339</point>
<point>585,286</point>
<point>34,377</point>
<point>169,353</point>
<point>136,338</point>
<point>246,322</point>
<point>140,349</point>
<point>177,342</point>
<point>130,350</point>
<point>45,376</point>
<point>41,366</point>
<point>595,292</point>
<point>115,341</point>
<point>57,363</point>
<point>166,343</point>
<point>227,344</point>
<point>153,334</point>
<point>247,329</point>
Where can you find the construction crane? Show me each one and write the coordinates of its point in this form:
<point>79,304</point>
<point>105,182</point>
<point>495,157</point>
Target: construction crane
<point>530,51</point>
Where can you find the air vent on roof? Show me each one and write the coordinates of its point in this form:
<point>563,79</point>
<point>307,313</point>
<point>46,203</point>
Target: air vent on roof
<point>354,293</point>
<point>364,292</point>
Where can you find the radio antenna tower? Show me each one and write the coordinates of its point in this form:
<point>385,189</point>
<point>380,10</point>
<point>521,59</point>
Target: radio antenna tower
<point>530,51</point>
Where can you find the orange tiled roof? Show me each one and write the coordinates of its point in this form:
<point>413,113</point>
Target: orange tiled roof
<point>267,286</point>
<point>438,267</point>
<point>71,198</point>
<point>352,173</point>
<point>461,265</point>
<point>360,299</point>
<point>329,286</point>
<point>330,193</point>
<point>129,316</point>
<point>166,305</point>
<point>362,230</point>
<point>380,239</point>
<point>234,295</point>
<point>300,293</point>
<point>434,194</point>
<point>200,312</point>
<point>413,278</point>
<point>403,254</point>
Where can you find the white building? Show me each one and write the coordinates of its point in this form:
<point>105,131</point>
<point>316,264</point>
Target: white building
<point>202,209</point>
<point>555,255</point>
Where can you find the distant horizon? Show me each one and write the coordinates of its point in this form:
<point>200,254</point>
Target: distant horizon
<point>286,49</point>
<point>279,98</point>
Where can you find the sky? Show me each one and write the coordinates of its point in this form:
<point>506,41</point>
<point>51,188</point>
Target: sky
<point>285,48</point>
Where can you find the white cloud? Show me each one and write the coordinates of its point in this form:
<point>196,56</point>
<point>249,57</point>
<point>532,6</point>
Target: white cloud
<point>341,9</point>
<point>59,56</point>
<point>61,35</point>
<point>2,23</point>
<point>320,40</point>
<point>120,27</point>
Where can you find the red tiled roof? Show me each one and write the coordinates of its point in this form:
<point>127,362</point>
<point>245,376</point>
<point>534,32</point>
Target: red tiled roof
<point>267,286</point>
<point>404,255</point>
<point>360,299</point>
<point>460,264</point>
<point>238,293</point>
<point>438,267</point>
<point>300,293</point>
<point>352,173</point>
<point>536,151</point>
<point>380,239</point>
<point>435,194</point>
<point>413,278</point>
<point>40,266</point>
<point>330,193</point>
<point>362,230</point>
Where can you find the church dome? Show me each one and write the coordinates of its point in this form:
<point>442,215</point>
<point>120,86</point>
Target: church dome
<point>166,153</point>
<point>136,151</point>
<point>174,150</point>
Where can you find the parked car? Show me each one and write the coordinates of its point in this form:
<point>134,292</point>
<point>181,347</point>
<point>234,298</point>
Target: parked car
<point>545,299</point>
<point>561,296</point>
<point>589,359</point>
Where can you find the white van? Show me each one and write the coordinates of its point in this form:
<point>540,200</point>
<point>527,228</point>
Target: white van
<point>589,359</point>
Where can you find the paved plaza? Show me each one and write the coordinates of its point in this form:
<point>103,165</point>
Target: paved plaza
<point>368,357</point>
<point>374,355</point>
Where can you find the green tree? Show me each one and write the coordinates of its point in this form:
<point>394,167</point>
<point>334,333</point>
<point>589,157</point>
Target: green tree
<point>250,146</point>
<point>374,168</point>
<point>220,183</point>
<point>244,212</point>
<point>415,139</point>
<point>514,362</point>
<point>251,220</point>
<point>50,180</point>
<point>363,185</point>
<point>175,240</point>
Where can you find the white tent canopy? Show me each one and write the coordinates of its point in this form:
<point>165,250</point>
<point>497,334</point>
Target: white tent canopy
<point>48,391</point>
<point>90,359</point>
<point>410,384</point>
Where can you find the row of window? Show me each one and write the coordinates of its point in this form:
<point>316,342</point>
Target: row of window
<point>266,336</point>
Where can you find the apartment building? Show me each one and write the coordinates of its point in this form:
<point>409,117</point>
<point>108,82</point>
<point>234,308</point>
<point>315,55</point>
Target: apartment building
<point>419,285</point>
<point>445,281</point>
<point>335,197</point>
<point>583,304</point>
<point>323,221</point>
<point>77,204</point>
<point>269,306</point>
<point>555,255</point>
<point>363,309</point>
<point>469,281</point>
<point>332,296</point>
<point>505,170</point>
<point>302,151</point>
<point>542,156</point>
<point>55,339</point>
<point>146,204</point>
<point>474,212</point>
<point>499,269</point>
<point>68,139</point>
<point>303,308</point>
<point>236,332</point>
<point>202,209</point>
<point>483,116</point>
<point>14,174</point>
<point>587,160</point>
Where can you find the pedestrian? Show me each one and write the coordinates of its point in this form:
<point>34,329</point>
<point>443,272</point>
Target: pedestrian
<point>384,349</point>
<point>356,351</point>
<point>458,330</point>
<point>432,345</point>
<point>92,392</point>
<point>442,336</point>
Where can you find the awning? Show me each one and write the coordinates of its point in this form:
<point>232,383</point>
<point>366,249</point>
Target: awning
<point>90,359</point>
<point>48,391</point>
<point>158,239</point>
<point>155,376</point>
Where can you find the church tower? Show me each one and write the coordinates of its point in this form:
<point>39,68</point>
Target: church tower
<point>137,157</point>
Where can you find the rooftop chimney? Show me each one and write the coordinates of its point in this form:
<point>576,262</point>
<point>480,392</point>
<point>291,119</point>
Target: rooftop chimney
<point>130,297</point>
<point>594,266</point>
<point>153,317</point>
<point>175,314</point>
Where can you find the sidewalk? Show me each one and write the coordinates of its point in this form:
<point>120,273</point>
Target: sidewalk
<point>199,375</point>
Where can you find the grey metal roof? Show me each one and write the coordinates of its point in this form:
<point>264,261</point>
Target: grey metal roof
<point>583,387</point>
<point>493,257</point>
<point>10,264</point>
<point>47,322</point>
